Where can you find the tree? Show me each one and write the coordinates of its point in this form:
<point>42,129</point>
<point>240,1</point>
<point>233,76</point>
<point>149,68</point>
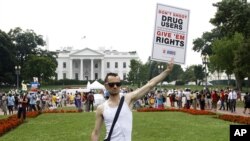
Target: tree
<point>42,67</point>
<point>7,59</point>
<point>198,73</point>
<point>25,42</point>
<point>133,75</point>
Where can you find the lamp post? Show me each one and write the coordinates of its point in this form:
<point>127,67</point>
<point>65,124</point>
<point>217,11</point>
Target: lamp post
<point>137,77</point>
<point>205,62</point>
<point>17,69</point>
<point>160,69</point>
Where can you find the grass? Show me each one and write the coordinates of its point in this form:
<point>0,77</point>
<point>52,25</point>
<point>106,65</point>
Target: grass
<point>148,126</point>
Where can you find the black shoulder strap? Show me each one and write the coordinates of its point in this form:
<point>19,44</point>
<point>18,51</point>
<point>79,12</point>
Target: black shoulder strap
<point>116,117</point>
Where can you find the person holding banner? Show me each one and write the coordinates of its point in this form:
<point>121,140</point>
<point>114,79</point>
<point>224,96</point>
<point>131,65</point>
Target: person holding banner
<point>105,112</point>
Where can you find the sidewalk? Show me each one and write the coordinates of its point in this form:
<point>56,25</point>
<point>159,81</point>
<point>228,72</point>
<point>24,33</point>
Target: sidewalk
<point>238,111</point>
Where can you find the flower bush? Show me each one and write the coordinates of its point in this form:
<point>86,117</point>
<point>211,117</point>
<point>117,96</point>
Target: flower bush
<point>235,118</point>
<point>9,123</point>
<point>190,111</point>
<point>231,118</point>
<point>60,111</point>
<point>32,114</point>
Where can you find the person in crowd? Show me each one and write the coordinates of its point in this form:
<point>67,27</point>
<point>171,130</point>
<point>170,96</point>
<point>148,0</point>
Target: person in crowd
<point>10,103</point>
<point>246,101</point>
<point>152,101</point>
<point>178,98</point>
<point>208,100</point>
<point>91,100</point>
<point>226,100</point>
<point>4,104</point>
<point>215,99</point>
<point>172,96</point>
<point>32,101</point>
<point>232,96</point>
<point>159,100</point>
<point>106,111</point>
<point>16,102</point>
<point>222,100</point>
<point>202,96</point>
<point>78,101</point>
<point>187,97</point>
<point>22,104</point>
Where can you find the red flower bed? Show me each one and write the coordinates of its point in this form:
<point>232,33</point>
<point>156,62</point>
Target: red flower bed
<point>190,111</point>
<point>8,124</point>
<point>32,114</point>
<point>197,112</point>
<point>235,118</point>
<point>60,111</point>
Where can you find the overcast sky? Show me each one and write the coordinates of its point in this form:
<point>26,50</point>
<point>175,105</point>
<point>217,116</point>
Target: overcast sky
<point>123,25</point>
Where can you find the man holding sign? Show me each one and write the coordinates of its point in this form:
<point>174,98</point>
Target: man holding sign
<point>105,113</point>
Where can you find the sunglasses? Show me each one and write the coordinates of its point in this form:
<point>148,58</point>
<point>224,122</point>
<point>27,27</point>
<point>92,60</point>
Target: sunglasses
<point>118,84</point>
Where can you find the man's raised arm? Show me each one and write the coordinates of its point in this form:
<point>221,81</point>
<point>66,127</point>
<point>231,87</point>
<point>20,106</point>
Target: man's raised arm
<point>137,94</point>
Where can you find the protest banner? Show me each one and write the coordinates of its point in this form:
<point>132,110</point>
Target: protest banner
<point>170,34</point>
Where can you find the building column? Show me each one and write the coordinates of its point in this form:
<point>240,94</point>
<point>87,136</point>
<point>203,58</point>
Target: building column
<point>81,70</point>
<point>102,69</point>
<point>92,70</point>
<point>70,68</point>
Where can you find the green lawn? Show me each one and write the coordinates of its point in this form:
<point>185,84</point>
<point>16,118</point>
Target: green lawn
<point>148,126</point>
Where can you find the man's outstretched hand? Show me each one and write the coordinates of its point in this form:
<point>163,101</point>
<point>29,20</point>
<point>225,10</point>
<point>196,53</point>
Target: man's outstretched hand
<point>170,65</point>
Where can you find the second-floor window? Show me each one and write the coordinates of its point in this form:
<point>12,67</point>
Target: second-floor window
<point>124,65</point>
<point>108,65</point>
<point>116,64</point>
<point>64,64</point>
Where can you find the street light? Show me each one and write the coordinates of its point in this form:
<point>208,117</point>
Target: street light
<point>17,69</point>
<point>160,69</point>
<point>205,62</point>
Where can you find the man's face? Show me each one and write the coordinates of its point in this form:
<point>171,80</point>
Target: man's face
<point>113,85</point>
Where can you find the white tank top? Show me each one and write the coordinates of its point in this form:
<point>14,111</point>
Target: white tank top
<point>123,128</point>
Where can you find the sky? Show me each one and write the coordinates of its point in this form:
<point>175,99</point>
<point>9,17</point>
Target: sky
<point>122,25</point>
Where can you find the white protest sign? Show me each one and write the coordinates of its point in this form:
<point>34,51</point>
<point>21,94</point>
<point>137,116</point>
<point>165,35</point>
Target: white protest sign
<point>170,34</point>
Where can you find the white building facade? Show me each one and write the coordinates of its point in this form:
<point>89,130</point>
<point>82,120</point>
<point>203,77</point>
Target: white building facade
<point>88,64</point>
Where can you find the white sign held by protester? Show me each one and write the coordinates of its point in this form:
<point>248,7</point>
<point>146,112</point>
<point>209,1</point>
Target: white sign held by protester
<point>170,34</point>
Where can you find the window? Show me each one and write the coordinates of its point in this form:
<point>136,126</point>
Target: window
<point>96,65</point>
<point>116,64</point>
<point>64,75</point>
<point>96,76</point>
<point>124,76</point>
<point>64,64</point>
<point>108,65</point>
<point>76,76</point>
<point>124,65</point>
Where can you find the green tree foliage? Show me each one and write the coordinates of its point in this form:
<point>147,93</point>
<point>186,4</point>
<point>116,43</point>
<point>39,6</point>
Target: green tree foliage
<point>222,44</point>
<point>135,66</point>
<point>39,66</point>
<point>194,73</point>
<point>26,43</point>
<point>7,59</point>
<point>24,48</point>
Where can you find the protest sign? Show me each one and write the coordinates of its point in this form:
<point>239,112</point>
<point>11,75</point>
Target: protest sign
<point>170,34</point>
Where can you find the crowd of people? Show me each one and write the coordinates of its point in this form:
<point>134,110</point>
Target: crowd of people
<point>20,102</point>
<point>206,99</point>
<point>209,99</point>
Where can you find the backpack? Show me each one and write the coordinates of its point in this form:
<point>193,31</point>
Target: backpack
<point>91,97</point>
<point>248,98</point>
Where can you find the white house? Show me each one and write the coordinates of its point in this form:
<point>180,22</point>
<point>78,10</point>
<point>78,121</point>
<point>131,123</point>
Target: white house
<point>88,64</point>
